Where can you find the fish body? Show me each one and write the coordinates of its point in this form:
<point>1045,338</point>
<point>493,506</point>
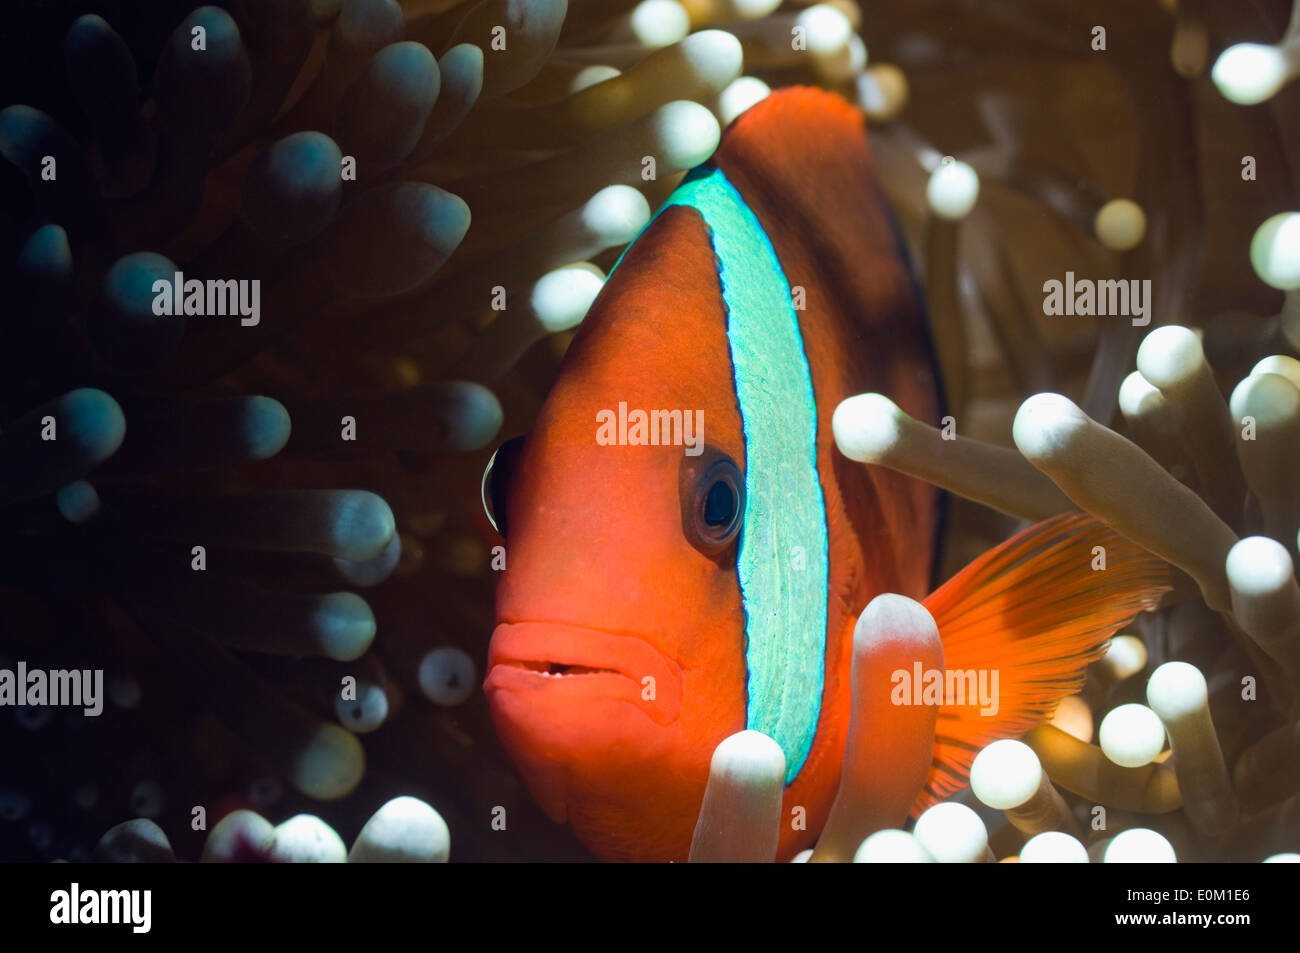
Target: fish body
<point>660,596</point>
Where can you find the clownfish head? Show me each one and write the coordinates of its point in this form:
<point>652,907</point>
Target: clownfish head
<point>617,664</point>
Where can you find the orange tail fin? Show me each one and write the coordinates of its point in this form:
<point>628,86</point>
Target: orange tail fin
<point>1037,612</point>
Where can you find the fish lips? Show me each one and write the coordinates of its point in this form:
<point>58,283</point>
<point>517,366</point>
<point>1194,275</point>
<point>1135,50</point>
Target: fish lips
<point>571,663</point>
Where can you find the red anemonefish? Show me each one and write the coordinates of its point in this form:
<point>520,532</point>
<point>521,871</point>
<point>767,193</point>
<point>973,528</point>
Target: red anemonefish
<point>662,594</point>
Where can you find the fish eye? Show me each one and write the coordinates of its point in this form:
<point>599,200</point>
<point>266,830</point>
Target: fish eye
<point>497,477</point>
<point>713,500</point>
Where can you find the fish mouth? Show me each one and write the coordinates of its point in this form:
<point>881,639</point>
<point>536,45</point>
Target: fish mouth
<point>557,669</point>
<point>528,656</point>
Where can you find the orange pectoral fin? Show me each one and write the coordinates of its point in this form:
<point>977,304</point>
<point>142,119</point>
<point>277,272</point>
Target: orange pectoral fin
<point>1035,612</point>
